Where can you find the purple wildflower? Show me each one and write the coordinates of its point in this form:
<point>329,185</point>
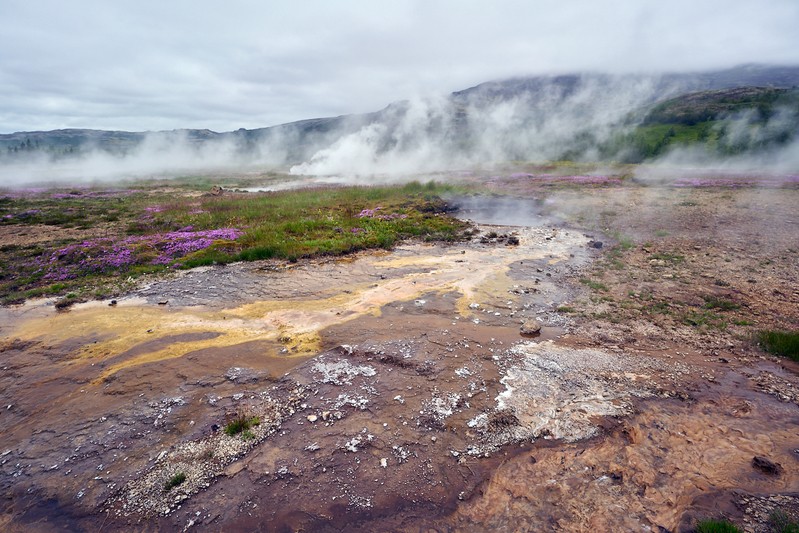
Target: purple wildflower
<point>106,255</point>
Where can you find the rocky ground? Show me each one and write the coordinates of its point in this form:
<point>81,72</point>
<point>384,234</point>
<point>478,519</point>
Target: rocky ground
<point>396,391</point>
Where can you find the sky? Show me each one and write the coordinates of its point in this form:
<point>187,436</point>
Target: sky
<point>223,65</point>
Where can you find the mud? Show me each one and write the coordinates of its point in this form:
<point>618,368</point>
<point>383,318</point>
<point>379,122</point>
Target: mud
<point>393,391</point>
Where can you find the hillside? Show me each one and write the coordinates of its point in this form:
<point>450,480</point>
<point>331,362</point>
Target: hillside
<point>721,122</point>
<point>588,116</point>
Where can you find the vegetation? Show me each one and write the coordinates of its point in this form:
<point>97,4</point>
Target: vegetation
<point>594,285</point>
<point>723,122</point>
<point>784,343</point>
<point>242,424</point>
<point>716,526</point>
<point>721,304</point>
<point>174,481</point>
<point>116,234</point>
<point>782,523</point>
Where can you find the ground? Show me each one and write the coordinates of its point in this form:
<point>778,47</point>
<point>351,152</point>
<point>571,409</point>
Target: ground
<point>394,391</point>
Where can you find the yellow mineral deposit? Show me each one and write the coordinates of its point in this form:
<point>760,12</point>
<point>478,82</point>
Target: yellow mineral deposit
<point>475,273</point>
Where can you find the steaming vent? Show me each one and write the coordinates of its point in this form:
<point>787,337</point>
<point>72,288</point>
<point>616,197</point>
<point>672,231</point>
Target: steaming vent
<point>498,210</point>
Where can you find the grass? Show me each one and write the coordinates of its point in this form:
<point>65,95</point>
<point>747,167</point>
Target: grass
<point>783,343</point>
<point>782,523</point>
<point>594,285</point>
<point>721,304</point>
<point>668,257</point>
<point>242,425</point>
<point>716,526</point>
<point>130,233</point>
<point>175,481</point>
<point>704,318</point>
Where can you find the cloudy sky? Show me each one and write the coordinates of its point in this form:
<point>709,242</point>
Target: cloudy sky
<point>155,64</point>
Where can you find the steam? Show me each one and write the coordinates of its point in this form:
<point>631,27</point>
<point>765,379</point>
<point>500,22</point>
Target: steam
<point>161,154</point>
<point>746,143</point>
<point>558,120</point>
<point>535,119</point>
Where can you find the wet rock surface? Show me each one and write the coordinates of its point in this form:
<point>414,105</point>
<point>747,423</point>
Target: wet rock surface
<point>396,391</point>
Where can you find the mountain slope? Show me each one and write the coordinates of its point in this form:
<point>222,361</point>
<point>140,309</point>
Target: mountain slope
<point>578,116</point>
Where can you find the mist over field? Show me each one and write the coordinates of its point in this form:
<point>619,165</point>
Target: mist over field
<point>584,118</point>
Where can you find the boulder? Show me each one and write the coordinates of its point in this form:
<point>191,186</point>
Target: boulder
<point>530,328</point>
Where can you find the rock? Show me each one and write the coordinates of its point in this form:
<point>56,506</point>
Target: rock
<point>530,328</point>
<point>384,462</point>
<point>112,303</point>
<point>163,302</point>
<point>767,466</point>
<point>312,418</point>
<point>240,375</point>
<point>216,190</point>
<point>595,244</point>
<point>513,240</point>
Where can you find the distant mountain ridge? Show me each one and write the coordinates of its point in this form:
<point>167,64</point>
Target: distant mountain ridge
<point>456,125</point>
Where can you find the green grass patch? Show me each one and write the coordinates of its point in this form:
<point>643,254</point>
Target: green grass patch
<point>669,257</point>
<point>624,242</point>
<point>721,304</point>
<point>594,285</point>
<point>242,424</point>
<point>704,318</point>
<point>659,308</point>
<point>783,343</point>
<point>780,522</point>
<point>178,479</point>
<point>716,526</point>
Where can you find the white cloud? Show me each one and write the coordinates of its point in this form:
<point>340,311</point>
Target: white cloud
<point>223,65</point>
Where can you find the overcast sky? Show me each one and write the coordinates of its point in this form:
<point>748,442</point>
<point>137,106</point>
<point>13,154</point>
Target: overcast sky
<point>227,64</point>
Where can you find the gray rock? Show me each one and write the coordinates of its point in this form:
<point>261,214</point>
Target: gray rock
<point>242,375</point>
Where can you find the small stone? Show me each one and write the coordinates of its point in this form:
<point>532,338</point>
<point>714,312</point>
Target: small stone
<point>325,415</point>
<point>312,418</point>
<point>384,462</point>
<point>530,328</point>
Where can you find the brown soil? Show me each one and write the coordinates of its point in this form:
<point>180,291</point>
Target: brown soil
<point>394,392</point>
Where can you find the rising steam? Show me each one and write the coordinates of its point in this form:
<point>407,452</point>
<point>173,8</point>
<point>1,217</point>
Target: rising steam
<point>536,119</point>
